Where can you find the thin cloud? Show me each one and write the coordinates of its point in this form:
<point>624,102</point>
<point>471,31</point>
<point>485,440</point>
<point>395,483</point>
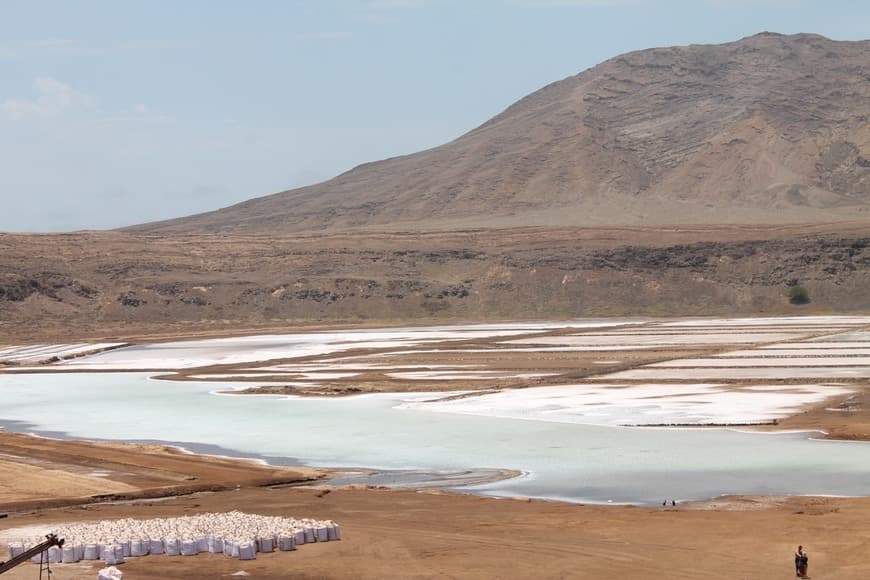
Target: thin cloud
<point>53,99</point>
<point>56,100</point>
<point>139,113</point>
<point>55,43</point>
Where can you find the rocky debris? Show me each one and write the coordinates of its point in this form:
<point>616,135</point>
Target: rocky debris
<point>19,287</point>
<point>131,300</point>
<point>194,300</point>
<point>843,169</point>
<point>317,295</point>
<point>453,291</point>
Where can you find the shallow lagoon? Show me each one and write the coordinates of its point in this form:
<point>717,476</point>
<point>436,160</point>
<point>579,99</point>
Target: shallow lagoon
<point>562,460</point>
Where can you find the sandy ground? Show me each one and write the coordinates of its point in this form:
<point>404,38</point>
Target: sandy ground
<point>23,482</point>
<point>415,534</point>
<point>845,418</point>
<point>407,534</point>
<point>39,473</point>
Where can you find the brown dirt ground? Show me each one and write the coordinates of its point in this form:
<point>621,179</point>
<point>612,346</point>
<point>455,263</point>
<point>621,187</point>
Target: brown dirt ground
<point>407,534</point>
<point>56,472</point>
<point>850,420</point>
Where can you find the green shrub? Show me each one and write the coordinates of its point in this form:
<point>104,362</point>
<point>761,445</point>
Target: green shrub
<point>797,294</point>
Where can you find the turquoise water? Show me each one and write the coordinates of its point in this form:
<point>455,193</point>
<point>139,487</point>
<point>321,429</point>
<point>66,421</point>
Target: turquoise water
<point>560,460</point>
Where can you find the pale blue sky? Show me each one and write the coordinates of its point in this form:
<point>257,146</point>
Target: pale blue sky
<point>119,112</point>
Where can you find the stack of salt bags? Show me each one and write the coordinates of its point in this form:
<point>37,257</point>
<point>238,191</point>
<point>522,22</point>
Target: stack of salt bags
<point>234,534</point>
<point>113,554</point>
<point>53,555</point>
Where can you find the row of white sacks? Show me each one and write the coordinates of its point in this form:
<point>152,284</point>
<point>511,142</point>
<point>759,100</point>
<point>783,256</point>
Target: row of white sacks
<point>234,534</point>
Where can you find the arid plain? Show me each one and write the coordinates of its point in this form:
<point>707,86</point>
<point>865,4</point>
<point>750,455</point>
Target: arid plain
<point>686,181</point>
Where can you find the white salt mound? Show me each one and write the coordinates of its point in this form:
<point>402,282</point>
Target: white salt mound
<point>110,573</point>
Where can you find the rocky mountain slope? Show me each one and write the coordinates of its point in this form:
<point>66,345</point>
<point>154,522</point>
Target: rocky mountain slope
<point>768,129</point>
<point>675,181</point>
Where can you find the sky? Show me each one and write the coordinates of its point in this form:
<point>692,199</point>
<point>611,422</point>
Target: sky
<point>115,113</point>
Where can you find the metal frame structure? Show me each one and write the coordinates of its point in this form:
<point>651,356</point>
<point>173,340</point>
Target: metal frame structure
<point>42,548</point>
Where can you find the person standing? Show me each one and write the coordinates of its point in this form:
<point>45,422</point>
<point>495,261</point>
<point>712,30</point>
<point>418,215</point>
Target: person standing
<point>803,565</point>
<point>798,556</point>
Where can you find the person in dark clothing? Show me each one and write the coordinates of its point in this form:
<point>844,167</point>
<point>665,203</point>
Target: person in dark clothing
<point>802,569</point>
<point>798,555</point>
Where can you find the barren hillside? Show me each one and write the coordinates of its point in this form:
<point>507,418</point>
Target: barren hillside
<point>768,129</point>
<point>117,284</point>
<point>673,181</point>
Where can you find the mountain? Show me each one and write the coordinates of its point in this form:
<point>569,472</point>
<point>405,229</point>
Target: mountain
<point>768,129</point>
<point>674,181</point>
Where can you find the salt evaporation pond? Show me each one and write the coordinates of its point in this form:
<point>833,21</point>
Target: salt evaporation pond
<point>241,349</point>
<point>562,460</point>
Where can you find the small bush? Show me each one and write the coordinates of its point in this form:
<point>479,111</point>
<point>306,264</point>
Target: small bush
<point>797,294</point>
